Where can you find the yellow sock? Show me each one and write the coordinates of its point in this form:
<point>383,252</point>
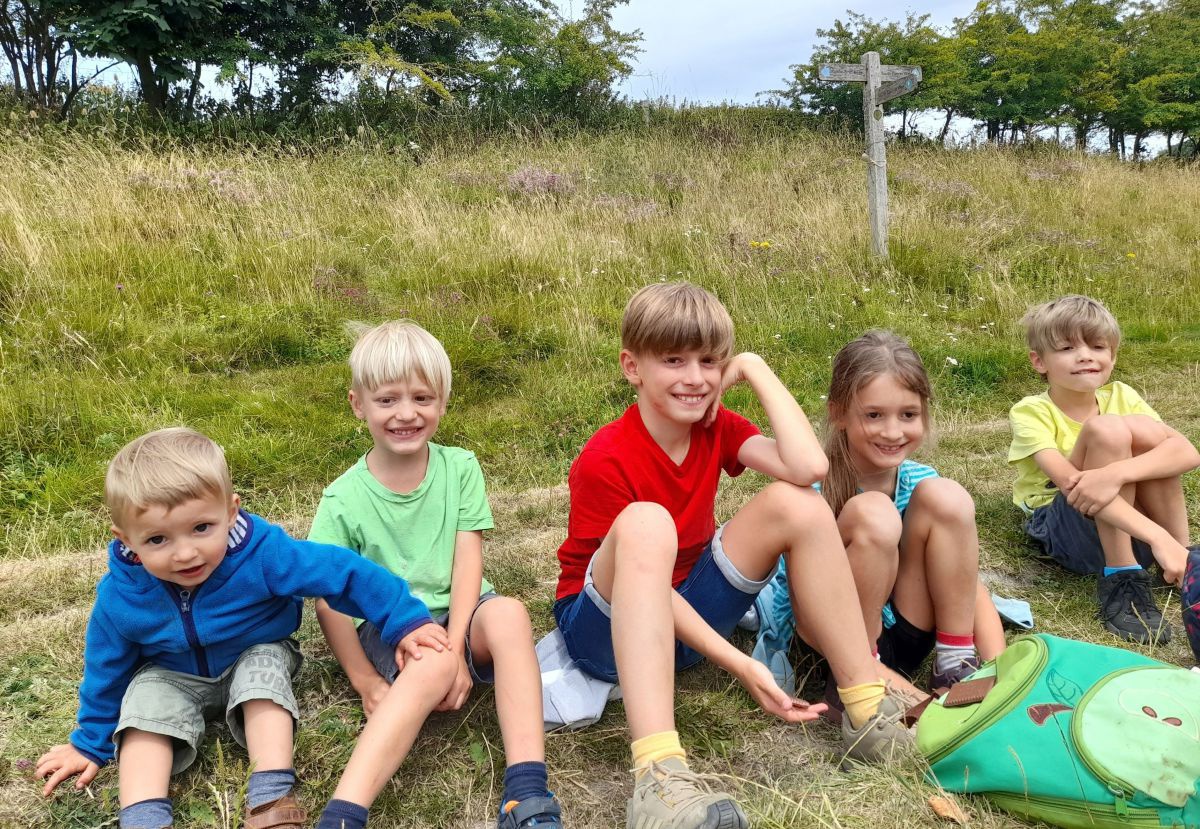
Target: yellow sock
<point>862,701</point>
<point>655,748</point>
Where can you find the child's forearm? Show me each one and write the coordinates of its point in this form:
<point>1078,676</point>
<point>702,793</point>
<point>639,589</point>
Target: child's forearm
<point>799,450</point>
<point>1170,459</point>
<point>466,578</point>
<point>343,641</point>
<point>697,634</point>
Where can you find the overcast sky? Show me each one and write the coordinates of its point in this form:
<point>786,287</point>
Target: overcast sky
<point>708,51</point>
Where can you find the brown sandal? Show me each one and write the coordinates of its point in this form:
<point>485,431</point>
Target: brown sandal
<point>284,813</point>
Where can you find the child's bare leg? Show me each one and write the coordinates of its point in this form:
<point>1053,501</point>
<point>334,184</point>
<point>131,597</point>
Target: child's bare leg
<point>501,634</point>
<point>632,571</point>
<point>939,559</point>
<point>797,521</point>
<point>1161,499</point>
<point>145,767</point>
<point>268,734</point>
<point>1103,440</point>
<point>870,528</point>
<point>391,730</point>
<point>989,630</point>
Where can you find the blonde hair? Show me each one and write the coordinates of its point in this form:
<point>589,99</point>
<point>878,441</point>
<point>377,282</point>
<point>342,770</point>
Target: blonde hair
<point>165,468</point>
<point>872,355</point>
<point>1069,318</point>
<point>676,316</point>
<point>400,350</point>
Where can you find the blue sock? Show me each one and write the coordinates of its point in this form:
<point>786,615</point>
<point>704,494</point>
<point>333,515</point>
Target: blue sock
<point>342,814</point>
<point>1108,571</point>
<point>524,780</point>
<point>266,786</point>
<point>147,814</point>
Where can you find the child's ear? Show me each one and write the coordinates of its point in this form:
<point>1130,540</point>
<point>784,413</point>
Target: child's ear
<point>120,536</point>
<point>1036,360</point>
<point>356,405</point>
<point>235,502</point>
<point>629,367</point>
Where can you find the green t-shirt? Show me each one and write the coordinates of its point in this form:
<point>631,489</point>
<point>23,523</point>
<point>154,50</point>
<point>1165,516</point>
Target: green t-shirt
<point>411,534</point>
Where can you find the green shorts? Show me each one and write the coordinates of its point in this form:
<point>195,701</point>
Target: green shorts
<point>177,704</point>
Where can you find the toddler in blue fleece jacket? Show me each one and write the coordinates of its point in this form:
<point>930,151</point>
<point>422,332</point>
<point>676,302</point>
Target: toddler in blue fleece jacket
<point>193,621</point>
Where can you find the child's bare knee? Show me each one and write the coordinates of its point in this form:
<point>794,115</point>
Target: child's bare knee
<point>946,500</point>
<point>1145,433</point>
<point>645,521</point>
<point>794,504</point>
<point>507,617</point>
<point>1107,432</point>
<point>870,519</point>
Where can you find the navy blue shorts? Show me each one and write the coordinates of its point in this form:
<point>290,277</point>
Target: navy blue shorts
<point>714,588</point>
<point>383,657</point>
<point>1071,539</point>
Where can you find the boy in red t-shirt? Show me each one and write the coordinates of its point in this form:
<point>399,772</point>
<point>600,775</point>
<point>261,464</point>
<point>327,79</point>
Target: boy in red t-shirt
<point>650,585</point>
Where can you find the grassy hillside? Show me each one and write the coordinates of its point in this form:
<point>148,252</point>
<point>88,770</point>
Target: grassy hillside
<point>141,289</point>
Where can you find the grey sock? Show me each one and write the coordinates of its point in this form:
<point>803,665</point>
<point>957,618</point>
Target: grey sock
<point>147,814</point>
<point>266,786</point>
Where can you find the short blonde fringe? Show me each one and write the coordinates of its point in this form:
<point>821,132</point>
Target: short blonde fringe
<point>396,351</point>
<point>1067,319</point>
<point>667,317</point>
<point>165,468</point>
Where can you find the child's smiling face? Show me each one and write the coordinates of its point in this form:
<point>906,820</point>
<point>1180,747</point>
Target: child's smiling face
<point>1076,365</point>
<point>884,424</point>
<point>402,416</point>
<point>184,543</point>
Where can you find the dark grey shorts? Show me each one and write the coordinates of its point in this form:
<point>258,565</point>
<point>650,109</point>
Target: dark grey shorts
<point>177,705</point>
<point>383,657</point>
<point>1071,539</point>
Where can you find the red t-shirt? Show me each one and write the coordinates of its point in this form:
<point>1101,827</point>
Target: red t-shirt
<point>622,464</point>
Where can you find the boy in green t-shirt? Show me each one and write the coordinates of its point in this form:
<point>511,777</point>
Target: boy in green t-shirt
<point>420,510</point>
<point>1098,472</point>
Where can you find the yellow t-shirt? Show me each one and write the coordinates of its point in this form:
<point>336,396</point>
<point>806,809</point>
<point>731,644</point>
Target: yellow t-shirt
<point>1037,424</point>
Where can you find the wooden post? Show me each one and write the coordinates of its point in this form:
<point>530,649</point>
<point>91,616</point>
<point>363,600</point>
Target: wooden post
<point>877,198</point>
<point>881,83</point>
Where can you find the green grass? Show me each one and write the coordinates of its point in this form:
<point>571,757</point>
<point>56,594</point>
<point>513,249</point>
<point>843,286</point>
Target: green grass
<point>212,288</point>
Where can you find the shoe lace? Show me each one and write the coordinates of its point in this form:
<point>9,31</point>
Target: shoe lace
<point>684,784</point>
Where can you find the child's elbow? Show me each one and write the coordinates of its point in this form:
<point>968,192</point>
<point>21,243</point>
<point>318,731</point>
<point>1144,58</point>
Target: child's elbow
<point>813,471</point>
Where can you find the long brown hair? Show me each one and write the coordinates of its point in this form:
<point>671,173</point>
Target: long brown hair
<point>858,363</point>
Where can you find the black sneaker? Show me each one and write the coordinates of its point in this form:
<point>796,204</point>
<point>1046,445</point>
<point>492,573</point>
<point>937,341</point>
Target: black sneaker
<point>1127,607</point>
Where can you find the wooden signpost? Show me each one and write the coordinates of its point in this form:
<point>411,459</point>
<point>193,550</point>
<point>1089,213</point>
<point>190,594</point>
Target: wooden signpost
<point>881,82</point>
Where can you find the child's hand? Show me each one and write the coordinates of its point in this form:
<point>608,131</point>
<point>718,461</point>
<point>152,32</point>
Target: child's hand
<point>734,373</point>
<point>757,679</point>
<point>62,762</point>
<point>429,635</point>
<point>372,692</point>
<point>459,689</point>
<point>1091,490</point>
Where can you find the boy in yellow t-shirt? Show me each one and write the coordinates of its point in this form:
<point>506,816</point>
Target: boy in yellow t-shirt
<point>1098,472</point>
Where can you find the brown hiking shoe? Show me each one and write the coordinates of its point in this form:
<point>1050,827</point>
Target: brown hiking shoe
<point>284,813</point>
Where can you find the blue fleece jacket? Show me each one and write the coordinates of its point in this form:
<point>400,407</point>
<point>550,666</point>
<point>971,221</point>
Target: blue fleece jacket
<point>255,595</point>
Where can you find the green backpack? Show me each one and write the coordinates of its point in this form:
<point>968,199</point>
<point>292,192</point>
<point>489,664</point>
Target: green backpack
<point>1074,734</point>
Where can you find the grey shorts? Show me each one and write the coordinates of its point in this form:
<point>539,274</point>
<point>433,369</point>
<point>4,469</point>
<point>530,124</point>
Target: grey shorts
<point>178,704</point>
<point>383,656</point>
<point>1071,539</point>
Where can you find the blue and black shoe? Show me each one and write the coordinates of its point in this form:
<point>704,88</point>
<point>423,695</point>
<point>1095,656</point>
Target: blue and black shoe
<point>531,812</point>
<point>1191,599</point>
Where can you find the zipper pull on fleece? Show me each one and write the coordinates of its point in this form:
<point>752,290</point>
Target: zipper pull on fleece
<point>185,597</point>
